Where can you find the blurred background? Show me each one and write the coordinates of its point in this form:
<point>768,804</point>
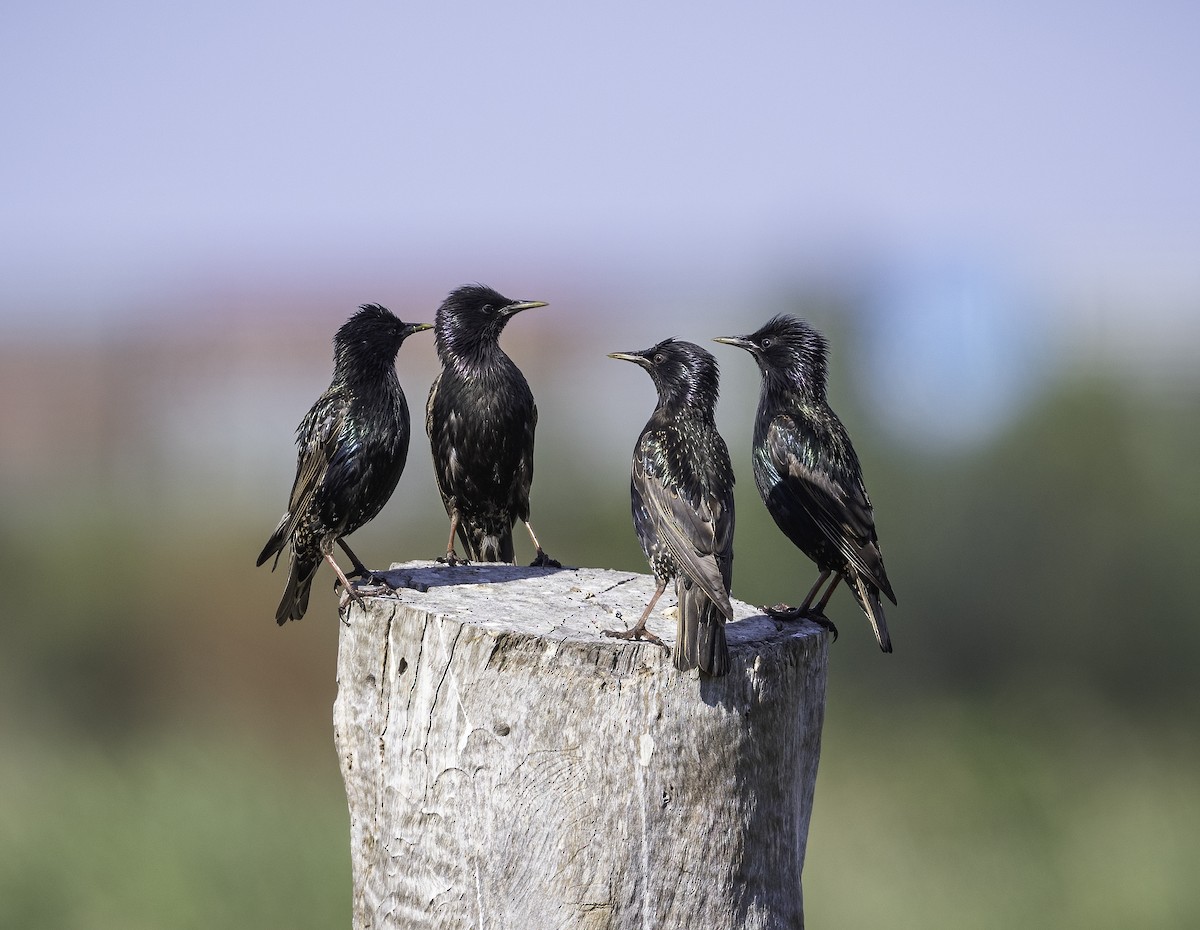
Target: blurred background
<point>991,210</point>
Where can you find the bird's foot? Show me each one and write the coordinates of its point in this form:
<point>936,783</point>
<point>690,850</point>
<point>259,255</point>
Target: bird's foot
<point>541,560</point>
<point>451,558</point>
<point>815,616</point>
<point>783,613</point>
<point>368,578</point>
<point>637,633</point>
<point>369,589</point>
<point>348,594</point>
<point>368,582</point>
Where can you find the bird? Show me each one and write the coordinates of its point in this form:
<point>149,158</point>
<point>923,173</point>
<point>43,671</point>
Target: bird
<point>808,473</point>
<point>353,444</point>
<point>681,491</point>
<point>481,418</point>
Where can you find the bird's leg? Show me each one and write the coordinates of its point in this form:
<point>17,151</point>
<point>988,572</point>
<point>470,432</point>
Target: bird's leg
<point>353,595</point>
<point>541,560</point>
<point>360,570</point>
<point>785,612</point>
<point>812,592</point>
<point>817,614</point>
<point>451,557</point>
<point>638,630</point>
<point>806,611</point>
<point>829,594</point>
<point>373,579</point>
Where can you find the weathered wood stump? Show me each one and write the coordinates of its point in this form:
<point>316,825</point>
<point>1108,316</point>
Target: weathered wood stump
<point>508,767</point>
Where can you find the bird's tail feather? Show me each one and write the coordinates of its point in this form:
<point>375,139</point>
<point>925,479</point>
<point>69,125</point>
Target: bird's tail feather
<point>867,596</point>
<point>275,544</point>
<point>295,593</point>
<point>485,543</point>
<point>700,636</point>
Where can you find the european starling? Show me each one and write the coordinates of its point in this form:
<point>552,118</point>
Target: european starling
<point>481,419</point>
<point>808,473</point>
<point>682,496</point>
<point>353,445</point>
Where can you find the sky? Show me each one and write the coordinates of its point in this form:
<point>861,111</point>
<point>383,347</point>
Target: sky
<point>663,157</point>
<point>704,138</point>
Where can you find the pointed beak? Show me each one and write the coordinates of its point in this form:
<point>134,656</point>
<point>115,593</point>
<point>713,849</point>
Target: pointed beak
<point>518,305</point>
<point>741,342</point>
<point>636,357</point>
<point>416,328</point>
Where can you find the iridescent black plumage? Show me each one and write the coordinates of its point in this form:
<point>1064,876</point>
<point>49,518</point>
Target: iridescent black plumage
<point>808,473</point>
<point>353,445</point>
<point>682,496</point>
<point>481,419</point>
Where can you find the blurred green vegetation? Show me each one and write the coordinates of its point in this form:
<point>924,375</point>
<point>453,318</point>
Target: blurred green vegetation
<point>171,830</point>
<point>1043,810</point>
<point>1028,756</point>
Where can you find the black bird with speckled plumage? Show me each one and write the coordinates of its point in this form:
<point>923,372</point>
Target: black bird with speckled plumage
<point>682,497</point>
<point>808,473</point>
<point>353,445</point>
<point>481,420</point>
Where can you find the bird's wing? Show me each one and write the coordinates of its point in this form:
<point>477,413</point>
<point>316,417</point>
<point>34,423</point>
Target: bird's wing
<point>439,429</point>
<point>525,465</point>
<point>697,529</point>
<point>832,495</point>
<point>317,438</point>
<point>433,390</point>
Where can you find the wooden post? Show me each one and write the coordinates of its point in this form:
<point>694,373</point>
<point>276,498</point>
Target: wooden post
<point>507,767</point>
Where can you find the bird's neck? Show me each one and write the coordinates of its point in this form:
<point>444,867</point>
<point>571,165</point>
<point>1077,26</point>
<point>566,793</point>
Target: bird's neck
<point>473,356</point>
<point>364,372</point>
<point>793,387</point>
<point>695,397</point>
<point>685,406</point>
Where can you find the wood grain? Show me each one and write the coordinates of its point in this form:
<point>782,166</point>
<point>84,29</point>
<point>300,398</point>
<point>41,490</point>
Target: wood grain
<point>506,766</point>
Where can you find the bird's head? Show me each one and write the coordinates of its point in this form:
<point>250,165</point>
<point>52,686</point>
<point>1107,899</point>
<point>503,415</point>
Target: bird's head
<point>786,348</point>
<point>474,316</point>
<point>372,335</point>
<point>683,373</point>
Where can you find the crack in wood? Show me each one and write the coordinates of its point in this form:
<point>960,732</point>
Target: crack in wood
<point>558,813</point>
<point>447,672</point>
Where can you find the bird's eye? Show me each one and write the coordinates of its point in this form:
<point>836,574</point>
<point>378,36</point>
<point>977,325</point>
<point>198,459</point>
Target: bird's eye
<point>766,342</point>
<point>659,358</point>
<point>489,309</point>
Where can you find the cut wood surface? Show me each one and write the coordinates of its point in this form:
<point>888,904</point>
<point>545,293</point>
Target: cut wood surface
<point>507,766</point>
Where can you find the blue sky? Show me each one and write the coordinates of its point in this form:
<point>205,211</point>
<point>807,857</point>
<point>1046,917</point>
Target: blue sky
<point>998,183</point>
<point>711,140</point>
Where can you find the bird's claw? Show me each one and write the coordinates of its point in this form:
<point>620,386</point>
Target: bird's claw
<point>783,613</point>
<point>351,590</point>
<point>633,633</point>
<point>824,622</point>
<point>374,590</point>
<point>348,595</point>
<point>451,559</point>
<point>541,560</point>
<point>371,582</point>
